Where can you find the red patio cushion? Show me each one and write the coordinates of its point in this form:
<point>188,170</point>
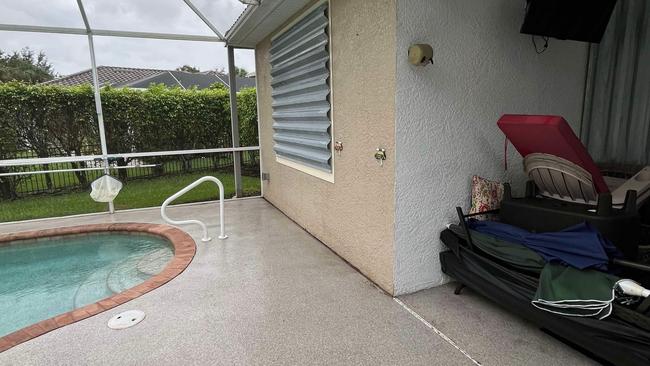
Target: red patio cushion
<point>549,135</point>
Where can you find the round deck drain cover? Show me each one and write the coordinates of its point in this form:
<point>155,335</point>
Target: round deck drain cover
<point>126,319</point>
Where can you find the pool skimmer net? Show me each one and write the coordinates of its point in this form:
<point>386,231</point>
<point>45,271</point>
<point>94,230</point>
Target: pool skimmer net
<point>126,319</point>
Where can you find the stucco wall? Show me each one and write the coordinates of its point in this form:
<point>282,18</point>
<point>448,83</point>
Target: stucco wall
<point>354,215</point>
<point>446,114</point>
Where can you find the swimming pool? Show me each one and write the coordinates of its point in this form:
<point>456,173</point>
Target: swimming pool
<point>46,278</point>
<point>51,278</point>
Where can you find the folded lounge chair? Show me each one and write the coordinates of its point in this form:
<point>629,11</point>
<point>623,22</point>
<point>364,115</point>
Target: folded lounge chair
<point>561,179</point>
<point>566,187</point>
<point>560,166</point>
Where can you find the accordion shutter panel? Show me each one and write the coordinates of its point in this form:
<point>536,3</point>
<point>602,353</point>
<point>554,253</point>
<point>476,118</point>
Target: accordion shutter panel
<point>300,92</point>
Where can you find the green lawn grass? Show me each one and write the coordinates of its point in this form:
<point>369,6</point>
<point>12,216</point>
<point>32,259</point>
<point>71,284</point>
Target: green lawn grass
<point>135,194</point>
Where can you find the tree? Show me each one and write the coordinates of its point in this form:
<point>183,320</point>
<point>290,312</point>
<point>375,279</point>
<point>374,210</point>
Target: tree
<point>26,66</point>
<point>188,68</point>
<point>218,86</point>
<point>240,71</point>
<point>8,141</point>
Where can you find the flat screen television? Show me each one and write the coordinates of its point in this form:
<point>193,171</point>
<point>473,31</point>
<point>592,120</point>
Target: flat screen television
<point>578,20</point>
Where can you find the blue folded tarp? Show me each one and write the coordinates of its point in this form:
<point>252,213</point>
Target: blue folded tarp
<point>580,246</point>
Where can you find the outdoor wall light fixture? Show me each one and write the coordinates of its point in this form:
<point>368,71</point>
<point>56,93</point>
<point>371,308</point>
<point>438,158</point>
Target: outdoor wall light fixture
<point>420,54</point>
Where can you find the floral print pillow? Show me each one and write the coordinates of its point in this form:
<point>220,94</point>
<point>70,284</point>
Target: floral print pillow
<point>486,196</point>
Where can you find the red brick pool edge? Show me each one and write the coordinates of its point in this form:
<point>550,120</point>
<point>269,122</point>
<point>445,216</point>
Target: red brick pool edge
<point>184,250</point>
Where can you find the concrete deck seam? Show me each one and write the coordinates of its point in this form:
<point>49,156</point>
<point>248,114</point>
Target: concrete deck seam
<point>436,330</point>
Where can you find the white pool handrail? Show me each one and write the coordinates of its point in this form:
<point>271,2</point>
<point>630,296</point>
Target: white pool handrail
<point>169,200</point>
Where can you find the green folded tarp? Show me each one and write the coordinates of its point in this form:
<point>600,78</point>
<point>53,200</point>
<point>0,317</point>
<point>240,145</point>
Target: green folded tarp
<point>572,292</point>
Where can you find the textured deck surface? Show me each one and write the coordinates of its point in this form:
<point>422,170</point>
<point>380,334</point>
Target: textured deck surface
<point>271,294</point>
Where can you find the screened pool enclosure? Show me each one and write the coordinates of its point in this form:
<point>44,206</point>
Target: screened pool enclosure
<point>181,152</point>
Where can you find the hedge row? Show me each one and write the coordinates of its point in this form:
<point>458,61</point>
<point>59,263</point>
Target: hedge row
<point>47,120</point>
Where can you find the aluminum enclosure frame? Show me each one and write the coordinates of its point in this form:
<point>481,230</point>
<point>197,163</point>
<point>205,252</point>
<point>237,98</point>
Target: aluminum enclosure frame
<point>91,32</point>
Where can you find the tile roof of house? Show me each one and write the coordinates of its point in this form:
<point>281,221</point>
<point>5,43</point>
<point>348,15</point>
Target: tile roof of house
<point>108,75</point>
<point>143,78</point>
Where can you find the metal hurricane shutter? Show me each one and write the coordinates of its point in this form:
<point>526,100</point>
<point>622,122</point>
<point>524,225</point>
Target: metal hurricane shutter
<point>300,92</point>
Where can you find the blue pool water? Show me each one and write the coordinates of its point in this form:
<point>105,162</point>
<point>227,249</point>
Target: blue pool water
<point>45,278</point>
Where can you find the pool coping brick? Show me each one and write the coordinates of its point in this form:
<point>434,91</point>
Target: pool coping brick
<point>184,251</point>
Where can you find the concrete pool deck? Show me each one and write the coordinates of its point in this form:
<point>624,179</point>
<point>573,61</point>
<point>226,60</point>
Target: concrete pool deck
<point>271,294</point>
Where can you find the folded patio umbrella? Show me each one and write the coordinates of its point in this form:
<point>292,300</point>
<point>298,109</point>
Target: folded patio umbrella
<point>580,246</point>
<point>513,253</point>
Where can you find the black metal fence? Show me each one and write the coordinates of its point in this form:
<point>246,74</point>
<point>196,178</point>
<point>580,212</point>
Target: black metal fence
<point>87,149</point>
<point>69,181</point>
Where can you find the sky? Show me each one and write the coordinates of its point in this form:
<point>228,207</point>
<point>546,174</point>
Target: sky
<point>69,53</point>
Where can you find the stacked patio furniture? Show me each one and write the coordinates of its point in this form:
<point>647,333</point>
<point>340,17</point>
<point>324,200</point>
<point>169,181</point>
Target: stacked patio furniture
<point>565,191</point>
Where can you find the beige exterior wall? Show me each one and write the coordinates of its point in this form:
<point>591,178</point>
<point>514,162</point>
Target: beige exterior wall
<point>354,216</point>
